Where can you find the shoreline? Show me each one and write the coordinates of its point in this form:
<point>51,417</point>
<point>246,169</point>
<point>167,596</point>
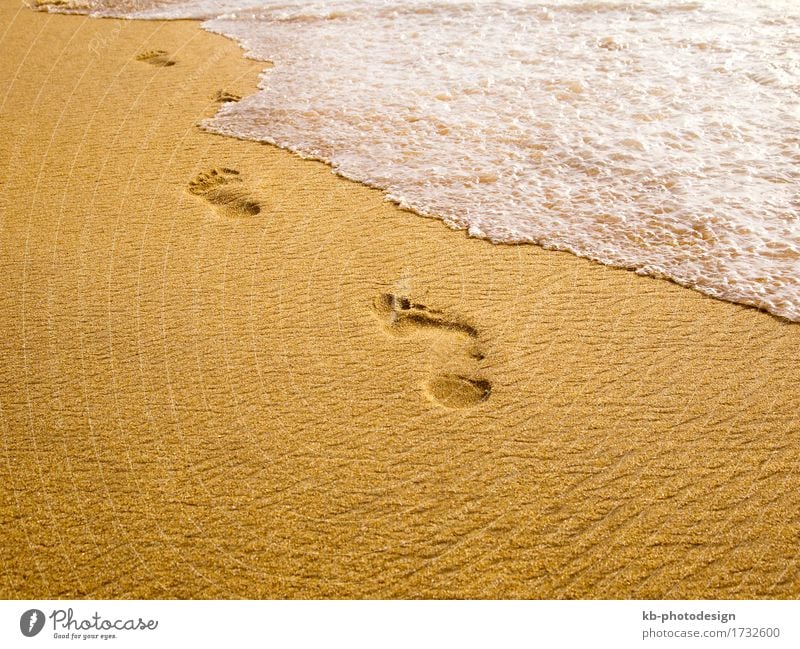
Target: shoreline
<point>706,290</point>
<point>205,401</point>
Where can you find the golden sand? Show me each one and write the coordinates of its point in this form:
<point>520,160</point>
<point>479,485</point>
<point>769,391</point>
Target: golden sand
<point>227,372</point>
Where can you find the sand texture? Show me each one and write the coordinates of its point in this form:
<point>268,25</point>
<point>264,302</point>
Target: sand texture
<point>226,372</point>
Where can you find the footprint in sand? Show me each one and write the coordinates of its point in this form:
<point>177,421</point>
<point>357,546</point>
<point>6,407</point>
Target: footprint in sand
<point>223,97</point>
<point>403,318</point>
<point>159,58</point>
<point>225,191</point>
<point>456,391</point>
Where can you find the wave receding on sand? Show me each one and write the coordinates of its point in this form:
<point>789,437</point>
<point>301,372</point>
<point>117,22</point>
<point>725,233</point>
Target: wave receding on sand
<point>655,136</point>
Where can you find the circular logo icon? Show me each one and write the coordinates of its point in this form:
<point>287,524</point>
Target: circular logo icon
<point>31,622</point>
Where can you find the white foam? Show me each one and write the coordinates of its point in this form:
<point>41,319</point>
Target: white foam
<point>657,136</point>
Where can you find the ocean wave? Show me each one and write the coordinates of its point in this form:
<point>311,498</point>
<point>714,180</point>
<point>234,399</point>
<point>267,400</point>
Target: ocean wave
<point>656,136</point>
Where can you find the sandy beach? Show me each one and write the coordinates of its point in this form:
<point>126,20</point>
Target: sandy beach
<point>229,373</point>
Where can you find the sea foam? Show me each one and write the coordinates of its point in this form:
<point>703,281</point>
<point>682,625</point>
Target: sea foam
<point>656,136</point>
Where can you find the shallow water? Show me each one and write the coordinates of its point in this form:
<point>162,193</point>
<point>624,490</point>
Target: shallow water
<point>657,136</point>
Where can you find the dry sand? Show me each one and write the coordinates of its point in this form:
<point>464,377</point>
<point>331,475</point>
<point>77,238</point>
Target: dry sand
<point>203,402</point>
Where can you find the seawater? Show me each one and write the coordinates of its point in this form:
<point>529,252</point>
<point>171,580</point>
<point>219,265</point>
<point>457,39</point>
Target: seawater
<point>656,136</point>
